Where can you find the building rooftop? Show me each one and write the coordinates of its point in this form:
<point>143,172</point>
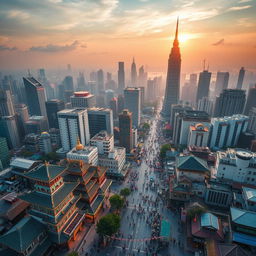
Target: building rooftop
<point>73,111</point>
<point>87,150</point>
<point>250,194</point>
<point>243,217</point>
<point>228,118</point>
<point>98,110</point>
<point>47,200</point>
<point>33,81</point>
<point>22,163</point>
<point>102,135</point>
<point>82,94</point>
<point>208,220</point>
<point>191,163</point>
<point>46,172</point>
<point>23,234</point>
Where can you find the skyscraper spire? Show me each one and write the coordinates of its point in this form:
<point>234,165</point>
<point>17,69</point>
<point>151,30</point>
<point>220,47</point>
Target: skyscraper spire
<point>172,89</point>
<point>177,29</point>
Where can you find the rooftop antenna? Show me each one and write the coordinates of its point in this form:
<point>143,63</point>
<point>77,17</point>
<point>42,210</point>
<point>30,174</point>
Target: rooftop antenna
<point>204,64</point>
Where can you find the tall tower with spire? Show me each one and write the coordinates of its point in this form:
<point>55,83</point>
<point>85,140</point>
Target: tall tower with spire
<point>133,74</point>
<point>172,89</point>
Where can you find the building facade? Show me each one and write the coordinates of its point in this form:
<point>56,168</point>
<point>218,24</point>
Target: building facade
<point>73,124</point>
<point>237,165</point>
<point>225,131</point>
<point>132,102</point>
<point>83,99</point>
<point>52,108</point>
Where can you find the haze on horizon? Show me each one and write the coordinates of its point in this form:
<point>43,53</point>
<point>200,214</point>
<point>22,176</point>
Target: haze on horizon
<point>99,33</point>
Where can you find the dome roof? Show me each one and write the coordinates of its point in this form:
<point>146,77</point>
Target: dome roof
<point>79,145</point>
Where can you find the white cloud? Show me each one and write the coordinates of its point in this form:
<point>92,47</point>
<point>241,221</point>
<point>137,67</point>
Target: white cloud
<point>238,8</point>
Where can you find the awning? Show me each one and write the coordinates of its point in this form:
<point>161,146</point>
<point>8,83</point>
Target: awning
<point>165,229</point>
<point>244,239</point>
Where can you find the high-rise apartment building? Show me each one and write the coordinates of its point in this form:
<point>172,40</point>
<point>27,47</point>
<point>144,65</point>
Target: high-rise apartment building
<point>152,90</point>
<point>45,144</point>
<point>203,85</point>
<point>8,129</point>
<point>230,102</point>
<point>221,82</point>
<point>81,85</point>
<point>205,104</point>
<point>251,100</point>
<point>184,121</point>
<point>35,96</point>
<point>83,99</point>
<point>133,74</point>
<point>120,103</point>
<point>73,123</point>
<point>252,120</point>
<point>6,104</point>
<point>68,83</point>
<point>113,107</point>
<point>125,127</point>
<point>4,153</point>
<point>100,81</point>
<point>172,90</point>
<point>52,108</point>
<point>177,109</point>
<point>240,79</point>
<point>132,102</point>
<point>226,131</point>
<point>121,76</point>
<point>100,119</point>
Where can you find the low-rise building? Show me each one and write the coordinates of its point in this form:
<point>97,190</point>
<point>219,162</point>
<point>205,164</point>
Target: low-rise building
<point>88,154</point>
<point>243,226</point>
<point>218,194</point>
<point>115,161</point>
<point>192,167</point>
<point>103,141</point>
<point>237,165</point>
<point>249,195</point>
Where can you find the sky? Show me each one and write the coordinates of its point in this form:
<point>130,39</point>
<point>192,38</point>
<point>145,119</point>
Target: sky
<point>91,34</point>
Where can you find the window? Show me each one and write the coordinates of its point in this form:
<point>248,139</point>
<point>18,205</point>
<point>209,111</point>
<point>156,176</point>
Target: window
<point>224,168</point>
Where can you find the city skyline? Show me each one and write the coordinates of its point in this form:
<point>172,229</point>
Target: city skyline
<point>143,29</point>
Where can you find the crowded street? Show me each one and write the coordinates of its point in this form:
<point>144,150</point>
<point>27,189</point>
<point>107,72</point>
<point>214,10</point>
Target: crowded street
<point>146,207</point>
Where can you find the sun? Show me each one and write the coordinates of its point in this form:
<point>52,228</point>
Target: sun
<point>183,38</point>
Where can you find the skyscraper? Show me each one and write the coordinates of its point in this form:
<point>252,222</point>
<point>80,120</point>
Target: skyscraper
<point>100,119</point>
<point>120,103</point>
<point>221,82</point>
<point>172,90</point>
<point>230,102</point>
<point>132,102</point>
<point>6,105</point>
<point>52,108</point>
<point>113,106</point>
<point>133,74</point>
<point>205,104</point>
<point>240,79</point>
<point>251,100</point>
<point>81,85</point>
<point>68,83</point>
<point>100,81</point>
<point>73,123</point>
<point>35,96</point>
<point>83,99</point>
<point>142,78</point>
<point>203,85</point>
<point>8,129</point>
<point>121,76</point>
<point>125,127</point>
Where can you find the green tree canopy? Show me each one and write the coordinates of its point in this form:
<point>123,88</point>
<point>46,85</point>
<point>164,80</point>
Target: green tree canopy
<point>108,225</point>
<point>146,126</point>
<point>163,150</point>
<point>73,254</point>
<point>195,210</point>
<point>125,192</point>
<point>117,202</point>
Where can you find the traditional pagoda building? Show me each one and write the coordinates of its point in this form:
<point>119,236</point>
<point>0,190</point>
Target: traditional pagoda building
<point>93,186</point>
<point>54,203</point>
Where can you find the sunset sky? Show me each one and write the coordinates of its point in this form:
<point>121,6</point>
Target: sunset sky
<point>98,33</point>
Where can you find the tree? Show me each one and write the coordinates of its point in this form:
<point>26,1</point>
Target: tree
<point>125,192</point>
<point>73,254</point>
<point>146,126</point>
<point>195,210</point>
<point>117,202</point>
<point>163,150</point>
<point>108,225</point>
